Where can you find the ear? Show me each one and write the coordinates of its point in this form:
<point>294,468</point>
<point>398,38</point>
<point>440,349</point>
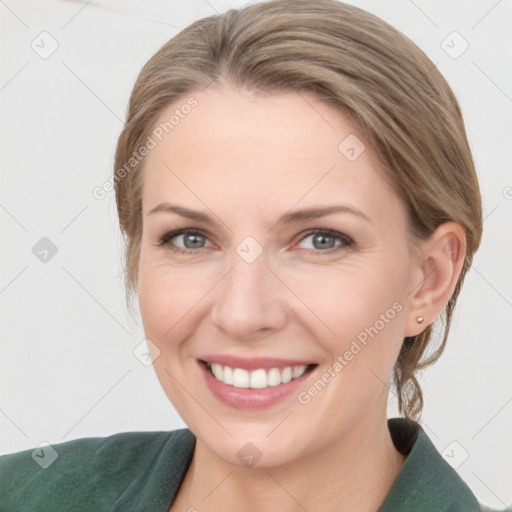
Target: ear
<point>440,260</point>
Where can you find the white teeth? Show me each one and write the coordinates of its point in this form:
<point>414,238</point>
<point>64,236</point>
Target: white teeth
<point>298,371</point>
<point>240,378</point>
<point>286,376</point>
<point>274,377</point>
<point>217,371</point>
<point>258,379</point>
<point>228,375</point>
<point>255,379</point>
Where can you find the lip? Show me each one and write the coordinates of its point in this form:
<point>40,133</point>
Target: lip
<point>254,363</point>
<point>249,398</point>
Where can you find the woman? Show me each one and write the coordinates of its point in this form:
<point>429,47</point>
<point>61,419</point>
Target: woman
<point>300,207</point>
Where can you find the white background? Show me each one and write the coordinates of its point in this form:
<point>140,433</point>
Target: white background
<point>67,367</point>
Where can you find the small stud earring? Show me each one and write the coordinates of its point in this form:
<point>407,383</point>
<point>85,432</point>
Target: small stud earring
<point>419,319</point>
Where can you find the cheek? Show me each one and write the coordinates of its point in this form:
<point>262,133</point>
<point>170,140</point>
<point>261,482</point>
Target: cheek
<point>347,299</point>
<point>155,299</point>
<point>163,302</point>
<point>158,300</point>
<point>361,329</point>
<point>171,299</point>
<point>167,313</point>
<point>356,314</point>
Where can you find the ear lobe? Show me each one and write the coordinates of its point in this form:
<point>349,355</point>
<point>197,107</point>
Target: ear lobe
<point>441,259</point>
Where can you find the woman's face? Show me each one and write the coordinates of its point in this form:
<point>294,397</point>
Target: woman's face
<point>253,285</point>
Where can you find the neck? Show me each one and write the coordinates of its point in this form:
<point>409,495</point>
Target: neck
<point>354,474</point>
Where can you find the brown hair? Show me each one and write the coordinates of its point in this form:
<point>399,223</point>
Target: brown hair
<point>350,59</point>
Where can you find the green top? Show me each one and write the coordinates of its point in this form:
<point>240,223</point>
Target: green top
<point>142,471</point>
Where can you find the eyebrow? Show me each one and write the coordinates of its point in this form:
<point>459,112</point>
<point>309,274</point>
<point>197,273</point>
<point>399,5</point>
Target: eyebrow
<point>288,218</point>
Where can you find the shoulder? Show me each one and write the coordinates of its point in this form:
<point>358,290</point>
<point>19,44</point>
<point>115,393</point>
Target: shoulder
<point>427,481</point>
<point>100,468</point>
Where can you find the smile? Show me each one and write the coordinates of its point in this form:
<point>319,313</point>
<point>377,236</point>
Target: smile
<point>256,379</point>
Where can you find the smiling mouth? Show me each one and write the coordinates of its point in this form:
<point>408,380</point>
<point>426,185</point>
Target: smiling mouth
<point>260,378</point>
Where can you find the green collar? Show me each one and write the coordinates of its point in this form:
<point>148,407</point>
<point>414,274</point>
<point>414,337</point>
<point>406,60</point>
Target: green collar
<point>425,483</point>
<point>142,471</point>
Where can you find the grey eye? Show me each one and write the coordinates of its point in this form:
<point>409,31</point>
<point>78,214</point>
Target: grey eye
<point>192,240</point>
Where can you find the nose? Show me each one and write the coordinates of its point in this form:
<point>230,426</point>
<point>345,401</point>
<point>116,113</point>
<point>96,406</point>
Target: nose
<point>249,301</point>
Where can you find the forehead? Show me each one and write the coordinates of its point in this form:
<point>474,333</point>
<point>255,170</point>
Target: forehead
<point>274,150</point>
<point>244,122</point>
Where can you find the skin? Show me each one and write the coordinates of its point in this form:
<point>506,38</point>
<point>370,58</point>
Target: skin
<point>246,159</point>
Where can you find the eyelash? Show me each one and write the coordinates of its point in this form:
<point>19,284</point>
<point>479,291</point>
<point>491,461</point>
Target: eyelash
<point>345,239</point>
